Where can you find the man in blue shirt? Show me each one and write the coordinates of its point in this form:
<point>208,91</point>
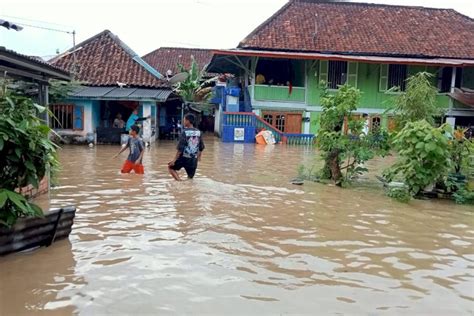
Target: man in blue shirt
<point>133,119</point>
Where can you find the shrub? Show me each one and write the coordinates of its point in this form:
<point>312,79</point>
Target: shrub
<point>26,154</point>
<point>424,156</point>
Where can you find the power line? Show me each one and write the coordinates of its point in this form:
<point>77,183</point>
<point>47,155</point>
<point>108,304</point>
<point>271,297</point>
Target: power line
<point>46,28</point>
<point>31,20</point>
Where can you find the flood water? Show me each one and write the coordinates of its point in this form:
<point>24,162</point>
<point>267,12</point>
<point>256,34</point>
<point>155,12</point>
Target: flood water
<point>239,240</point>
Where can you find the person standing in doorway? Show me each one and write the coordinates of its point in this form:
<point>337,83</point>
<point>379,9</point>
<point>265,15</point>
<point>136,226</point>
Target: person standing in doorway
<point>133,119</point>
<point>134,159</point>
<point>118,122</point>
<point>189,150</point>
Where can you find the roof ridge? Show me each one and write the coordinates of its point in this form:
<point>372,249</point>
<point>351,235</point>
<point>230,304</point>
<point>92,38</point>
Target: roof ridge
<point>267,21</point>
<point>171,47</point>
<point>84,42</point>
<point>371,4</point>
<point>134,55</point>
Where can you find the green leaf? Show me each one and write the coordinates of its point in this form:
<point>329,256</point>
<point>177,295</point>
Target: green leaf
<point>36,210</point>
<point>3,198</point>
<point>18,200</point>
<point>420,145</point>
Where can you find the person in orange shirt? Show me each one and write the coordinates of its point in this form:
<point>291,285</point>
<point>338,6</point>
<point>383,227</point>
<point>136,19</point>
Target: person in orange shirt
<point>134,159</point>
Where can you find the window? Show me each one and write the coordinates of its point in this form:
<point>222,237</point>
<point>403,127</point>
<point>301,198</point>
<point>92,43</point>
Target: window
<point>280,122</point>
<point>445,76</point>
<point>268,118</point>
<point>375,124</point>
<point>397,76</point>
<point>280,72</point>
<point>67,116</point>
<point>337,74</point>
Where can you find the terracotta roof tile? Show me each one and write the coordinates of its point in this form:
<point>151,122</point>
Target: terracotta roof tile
<point>104,60</point>
<point>167,58</point>
<point>361,28</point>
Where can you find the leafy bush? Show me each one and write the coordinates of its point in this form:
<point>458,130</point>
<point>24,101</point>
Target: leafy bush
<point>400,194</point>
<point>424,156</point>
<point>26,153</point>
<point>464,196</point>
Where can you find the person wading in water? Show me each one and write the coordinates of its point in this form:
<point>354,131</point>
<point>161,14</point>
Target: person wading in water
<point>189,150</point>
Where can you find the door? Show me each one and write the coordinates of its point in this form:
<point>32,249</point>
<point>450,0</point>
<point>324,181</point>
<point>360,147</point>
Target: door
<point>293,123</point>
<point>286,122</point>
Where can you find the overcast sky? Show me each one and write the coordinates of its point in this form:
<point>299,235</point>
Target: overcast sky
<point>148,24</point>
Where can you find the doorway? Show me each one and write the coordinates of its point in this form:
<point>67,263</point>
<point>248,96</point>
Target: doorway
<point>287,122</point>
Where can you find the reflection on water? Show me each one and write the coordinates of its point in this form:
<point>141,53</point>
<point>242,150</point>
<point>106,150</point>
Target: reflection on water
<point>239,239</point>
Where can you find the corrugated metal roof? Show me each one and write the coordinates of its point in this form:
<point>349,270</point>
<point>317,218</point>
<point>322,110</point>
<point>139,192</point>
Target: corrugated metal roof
<point>116,93</point>
<point>120,92</point>
<point>151,93</point>
<point>93,92</point>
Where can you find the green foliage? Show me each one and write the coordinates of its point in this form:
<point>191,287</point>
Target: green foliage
<point>59,90</point>
<point>26,152</point>
<point>342,151</point>
<point>193,89</point>
<point>418,102</point>
<point>464,196</point>
<point>14,205</point>
<point>424,156</point>
<point>460,148</point>
<point>400,194</point>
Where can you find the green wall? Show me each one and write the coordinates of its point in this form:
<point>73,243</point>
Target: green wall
<point>275,93</point>
<point>368,83</point>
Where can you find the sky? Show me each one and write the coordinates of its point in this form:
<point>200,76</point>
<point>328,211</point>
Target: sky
<point>145,25</point>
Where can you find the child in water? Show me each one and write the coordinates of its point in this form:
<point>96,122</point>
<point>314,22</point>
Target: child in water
<point>134,159</point>
<point>189,150</point>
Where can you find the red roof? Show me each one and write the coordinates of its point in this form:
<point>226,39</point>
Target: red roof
<point>370,29</point>
<point>167,58</point>
<point>104,60</point>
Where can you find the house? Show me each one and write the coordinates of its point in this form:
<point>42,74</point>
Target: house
<point>166,60</point>
<point>114,80</point>
<point>34,71</point>
<point>373,47</point>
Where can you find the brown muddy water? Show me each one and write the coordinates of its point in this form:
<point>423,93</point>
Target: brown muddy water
<point>239,240</point>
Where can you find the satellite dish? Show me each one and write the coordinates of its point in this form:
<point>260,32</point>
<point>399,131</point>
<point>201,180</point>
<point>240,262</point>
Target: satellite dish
<point>178,77</point>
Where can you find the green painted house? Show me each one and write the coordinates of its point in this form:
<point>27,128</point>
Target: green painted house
<point>370,46</point>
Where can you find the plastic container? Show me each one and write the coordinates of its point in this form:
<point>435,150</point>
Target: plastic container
<point>233,91</point>
<point>260,139</point>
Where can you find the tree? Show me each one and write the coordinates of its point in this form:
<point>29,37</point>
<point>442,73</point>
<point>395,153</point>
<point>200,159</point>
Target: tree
<point>418,102</point>
<point>59,90</point>
<point>341,150</point>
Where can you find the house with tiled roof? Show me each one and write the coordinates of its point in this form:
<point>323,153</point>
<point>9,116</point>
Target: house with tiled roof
<point>115,81</point>
<point>166,59</point>
<point>370,46</point>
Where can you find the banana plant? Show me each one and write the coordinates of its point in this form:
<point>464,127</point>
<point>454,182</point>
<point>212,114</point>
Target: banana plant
<point>194,88</point>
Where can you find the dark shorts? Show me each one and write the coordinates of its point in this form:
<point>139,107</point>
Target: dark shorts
<point>189,164</point>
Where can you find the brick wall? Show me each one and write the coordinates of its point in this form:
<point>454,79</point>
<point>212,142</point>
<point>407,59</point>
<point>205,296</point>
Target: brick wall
<point>30,192</point>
